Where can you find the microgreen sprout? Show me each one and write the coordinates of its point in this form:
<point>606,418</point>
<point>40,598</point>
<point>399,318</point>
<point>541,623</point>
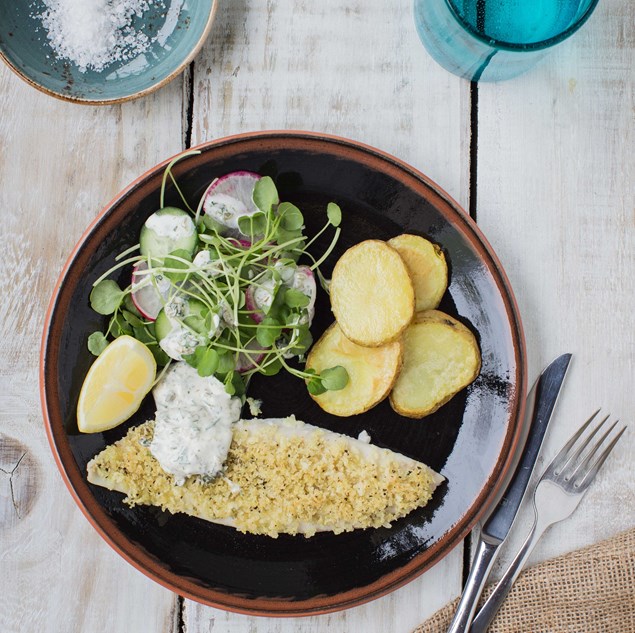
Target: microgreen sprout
<point>237,304</point>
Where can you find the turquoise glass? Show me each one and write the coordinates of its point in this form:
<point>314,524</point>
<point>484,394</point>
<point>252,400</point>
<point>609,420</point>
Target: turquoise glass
<point>492,40</point>
<point>176,29</point>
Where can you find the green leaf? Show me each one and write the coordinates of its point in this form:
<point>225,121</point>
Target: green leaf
<point>229,386</point>
<point>132,319</point>
<point>226,363</point>
<point>268,331</point>
<point>272,368</point>
<point>265,194</point>
<point>204,359</point>
<point>238,384</point>
<point>291,218</point>
<point>97,343</point>
<point>106,297</point>
<point>252,225</point>
<point>283,236</point>
<point>196,322</point>
<point>208,362</point>
<point>130,306</point>
<point>334,214</point>
<point>303,341</point>
<point>193,359</point>
<point>211,224</point>
<point>295,299</point>
<point>119,326</point>
<point>160,356</point>
<point>142,334</point>
<point>334,378</point>
<point>315,387</point>
<point>171,261</point>
<point>234,384</point>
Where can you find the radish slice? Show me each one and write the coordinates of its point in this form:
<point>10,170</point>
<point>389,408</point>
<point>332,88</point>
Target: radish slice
<point>148,298</point>
<point>304,281</point>
<point>258,299</point>
<point>246,362</point>
<point>241,243</point>
<point>250,303</point>
<point>229,198</point>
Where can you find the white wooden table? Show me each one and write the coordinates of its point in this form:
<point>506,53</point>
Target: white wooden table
<point>544,162</point>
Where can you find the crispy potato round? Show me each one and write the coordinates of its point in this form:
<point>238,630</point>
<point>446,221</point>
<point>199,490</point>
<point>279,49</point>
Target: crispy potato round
<point>441,357</point>
<point>372,295</point>
<point>427,268</point>
<point>372,371</point>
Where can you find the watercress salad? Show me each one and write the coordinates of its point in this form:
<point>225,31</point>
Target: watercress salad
<point>220,287</point>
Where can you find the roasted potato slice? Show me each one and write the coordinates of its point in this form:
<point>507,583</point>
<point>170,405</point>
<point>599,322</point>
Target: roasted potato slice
<point>372,295</point>
<point>372,371</point>
<point>427,268</point>
<point>441,357</point>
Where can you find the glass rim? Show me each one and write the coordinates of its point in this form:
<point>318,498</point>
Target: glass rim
<point>532,46</point>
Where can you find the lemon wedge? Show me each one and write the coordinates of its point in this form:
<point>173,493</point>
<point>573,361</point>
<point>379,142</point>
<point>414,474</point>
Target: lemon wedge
<point>115,385</point>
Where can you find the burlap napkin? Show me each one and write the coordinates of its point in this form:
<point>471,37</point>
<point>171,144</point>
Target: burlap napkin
<point>591,590</point>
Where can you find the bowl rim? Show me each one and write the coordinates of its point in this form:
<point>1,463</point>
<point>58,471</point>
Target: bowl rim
<point>512,443</point>
<point>129,97</point>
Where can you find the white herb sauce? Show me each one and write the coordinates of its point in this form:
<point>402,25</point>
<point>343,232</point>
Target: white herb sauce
<point>225,209</point>
<point>203,261</point>
<point>174,227</point>
<point>264,293</point>
<point>179,342</point>
<point>193,428</point>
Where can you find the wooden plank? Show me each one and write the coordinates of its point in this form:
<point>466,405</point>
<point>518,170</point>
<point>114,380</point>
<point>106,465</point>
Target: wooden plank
<point>556,199</point>
<point>59,164</point>
<point>356,70</point>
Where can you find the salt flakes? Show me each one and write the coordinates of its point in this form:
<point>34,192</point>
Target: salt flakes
<point>95,33</point>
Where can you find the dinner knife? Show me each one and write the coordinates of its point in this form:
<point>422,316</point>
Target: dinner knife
<point>541,402</point>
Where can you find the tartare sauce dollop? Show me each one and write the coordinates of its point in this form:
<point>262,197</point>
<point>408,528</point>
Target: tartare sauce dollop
<point>193,428</point>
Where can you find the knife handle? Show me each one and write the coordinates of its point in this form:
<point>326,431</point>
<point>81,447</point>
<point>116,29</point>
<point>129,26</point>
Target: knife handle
<point>483,561</point>
<point>494,601</point>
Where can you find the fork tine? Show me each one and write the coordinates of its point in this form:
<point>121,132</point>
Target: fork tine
<point>593,471</point>
<point>564,451</point>
<point>572,459</point>
<point>583,466</point>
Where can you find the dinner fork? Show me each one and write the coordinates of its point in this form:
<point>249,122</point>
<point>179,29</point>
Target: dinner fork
<point>557,494</point>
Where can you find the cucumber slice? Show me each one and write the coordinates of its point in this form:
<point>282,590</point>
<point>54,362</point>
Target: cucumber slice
<point>181,334</point>
<point>167,230</point>
<point>162,325</point>
<point>193,316</point>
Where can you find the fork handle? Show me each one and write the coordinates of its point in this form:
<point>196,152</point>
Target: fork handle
<point>493,603</point>
<point>483,560</point>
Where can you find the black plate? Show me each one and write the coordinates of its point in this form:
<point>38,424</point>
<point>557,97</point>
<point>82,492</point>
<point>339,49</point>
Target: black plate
<point>470,440</point>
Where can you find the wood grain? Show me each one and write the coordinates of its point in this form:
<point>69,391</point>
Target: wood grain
<point>355,70</point>
<point>556,199</point>
<point>59,164</point>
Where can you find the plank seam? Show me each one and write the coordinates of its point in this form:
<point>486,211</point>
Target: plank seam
<point>473,169</point>
<point>472,203</point>
<point>189,108</point>
<point>180,615</point>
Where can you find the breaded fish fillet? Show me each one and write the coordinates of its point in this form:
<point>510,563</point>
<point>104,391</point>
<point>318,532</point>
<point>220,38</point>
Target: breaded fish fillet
<point>281,476</point>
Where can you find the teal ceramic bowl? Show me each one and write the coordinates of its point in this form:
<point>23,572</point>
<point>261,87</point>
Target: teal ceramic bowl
<point>175,31</point>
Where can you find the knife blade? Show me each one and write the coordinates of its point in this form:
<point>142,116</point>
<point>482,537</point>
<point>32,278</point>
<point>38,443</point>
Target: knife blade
<point>541,403</point>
